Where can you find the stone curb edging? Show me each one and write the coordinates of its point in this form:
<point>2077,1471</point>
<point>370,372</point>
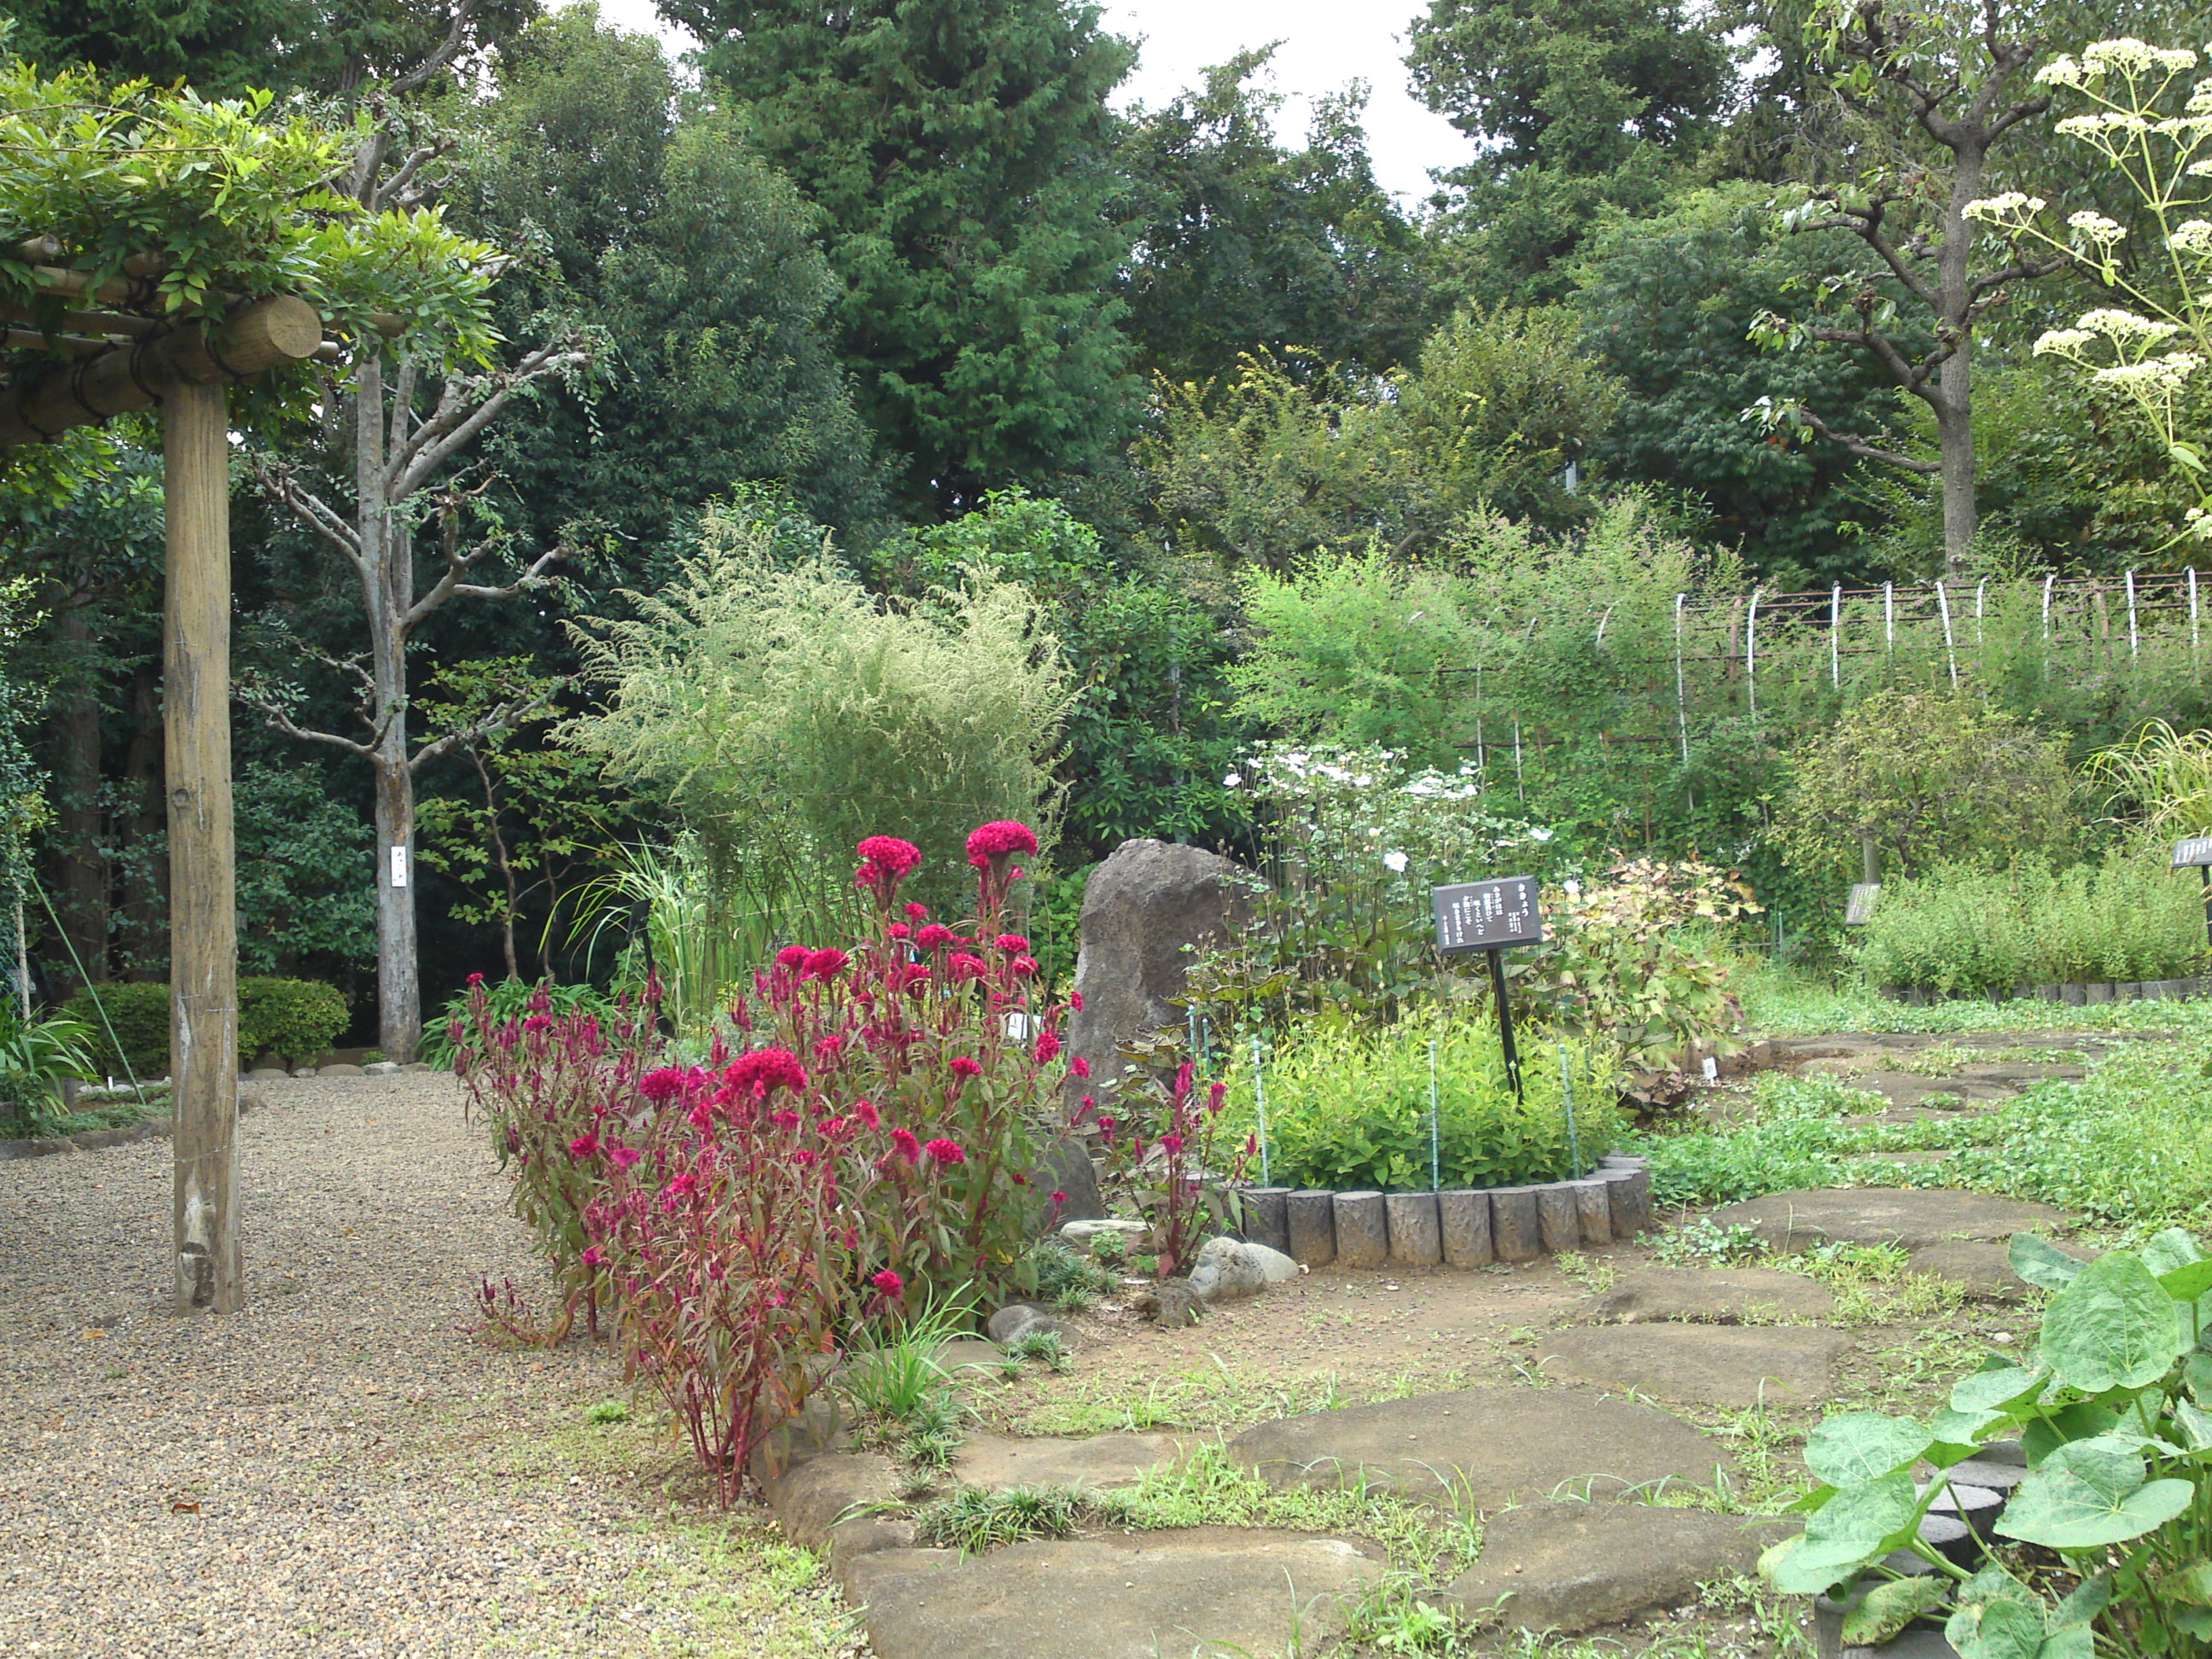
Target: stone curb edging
<point>2086,993</point>
<point>1464,1227</point>
<point>92,1140</point>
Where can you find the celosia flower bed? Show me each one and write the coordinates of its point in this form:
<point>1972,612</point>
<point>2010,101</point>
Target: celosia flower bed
<point>861,1140</point>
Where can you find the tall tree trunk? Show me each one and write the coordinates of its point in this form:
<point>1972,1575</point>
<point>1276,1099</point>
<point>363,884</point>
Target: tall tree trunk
<point>1955,434</point>
<point>398,980</point>
<point>82,869</point>
<point>145,898</point>
<point>1953,402</point>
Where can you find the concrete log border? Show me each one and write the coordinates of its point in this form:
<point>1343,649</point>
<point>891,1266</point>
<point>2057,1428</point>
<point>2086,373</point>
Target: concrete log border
<point>1461,1227</point>
<point>2075,995</point>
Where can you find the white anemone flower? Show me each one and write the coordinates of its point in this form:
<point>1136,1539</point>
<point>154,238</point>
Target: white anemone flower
<point>1395,862</point>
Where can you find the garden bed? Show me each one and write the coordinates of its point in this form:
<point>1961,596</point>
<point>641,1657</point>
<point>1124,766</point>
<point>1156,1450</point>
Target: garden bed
<point>1463,1227</point>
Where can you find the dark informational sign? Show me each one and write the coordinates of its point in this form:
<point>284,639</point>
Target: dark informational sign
<point>1484,915</point>
<point>2193,853</point>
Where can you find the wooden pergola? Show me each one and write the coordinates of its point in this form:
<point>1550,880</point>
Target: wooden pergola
<point>113,351</point>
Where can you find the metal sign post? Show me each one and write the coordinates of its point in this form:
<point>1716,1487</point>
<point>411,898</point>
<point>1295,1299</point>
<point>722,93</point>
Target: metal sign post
<point>1488,916</point>
<point>2195,853</point>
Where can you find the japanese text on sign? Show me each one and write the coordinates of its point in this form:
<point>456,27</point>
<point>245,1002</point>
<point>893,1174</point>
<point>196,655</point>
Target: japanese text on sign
<point>2193,853</point>
<point>1481,915</point>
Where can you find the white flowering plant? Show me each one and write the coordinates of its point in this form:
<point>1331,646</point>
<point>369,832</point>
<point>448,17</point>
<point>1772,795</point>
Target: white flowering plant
<point>2150,118</point>
<point>1352,839</point>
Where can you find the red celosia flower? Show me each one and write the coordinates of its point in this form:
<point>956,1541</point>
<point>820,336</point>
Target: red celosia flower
<point>1022,967</point>
<point>1215,1096</point>
<point>792,955</point>
<point>962,966</point>
<point>584,1144</point>
<point>1059,1198</point>
<point>964,1066</point>
<point>761,1071</point>
<point>1048,1047</point>
<point>867,1113</point>
<point>899,930</point>
<point>622,1156</point>
<point>946,1151</point>
<point>824,964</point>
<point>662,1086</point>
<point>887,1282</point>
<point>1075,1000</point>
<point>1021,1180</point>
<point>785,1119</point>
<point>909,1147</point>
<point>1012,942</point>
<point>916,912</point>
<point>539,1022</point>
<point>935,937</point>
<point>594,1255</point>
<point>1106,1123</point>
<point>1079,1066</point>
<point>997,840</point>
<point>475,980</point>
<point>1171,1143</point>
<point>885,861</point>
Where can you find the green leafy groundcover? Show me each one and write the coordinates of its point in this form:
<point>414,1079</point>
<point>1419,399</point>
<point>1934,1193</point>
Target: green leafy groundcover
<point>2114,1409</point>
<point>2130,1146</point>
<point>1349,1109</point>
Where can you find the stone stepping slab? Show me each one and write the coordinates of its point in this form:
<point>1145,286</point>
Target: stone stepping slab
<point>1910,1216</point>
<point>1570,1566</point>
<point>1465,1227</point>
<point>1101,1462</point>
<point>1727,1366</point>
<point>1134,1595</point>
<point>1482,1447</point>
<point>1719,1296</point>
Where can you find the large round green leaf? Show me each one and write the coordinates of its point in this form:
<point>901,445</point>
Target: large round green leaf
<point>1858,1446</point>
<point>2112,1328</point>
<point>2088,1493</point>
<point>1989,1391</point>
<point>1858,1525</point>
<point>2041,1262</point>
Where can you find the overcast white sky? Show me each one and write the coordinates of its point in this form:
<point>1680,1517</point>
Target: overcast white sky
<point>1326,43</point>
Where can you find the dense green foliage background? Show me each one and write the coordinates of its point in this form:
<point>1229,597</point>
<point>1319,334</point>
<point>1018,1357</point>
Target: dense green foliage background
<point>1273,451</point>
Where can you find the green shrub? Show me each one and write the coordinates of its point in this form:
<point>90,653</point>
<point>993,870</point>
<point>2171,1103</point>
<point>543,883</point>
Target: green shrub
<point>1963,931</point>
<point>510,999</point>
<point>295,1018</point>
<point>1349,1109</point>
<point>136,1016</point>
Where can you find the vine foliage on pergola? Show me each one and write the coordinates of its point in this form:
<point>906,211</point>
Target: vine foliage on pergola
<point>161,251</point>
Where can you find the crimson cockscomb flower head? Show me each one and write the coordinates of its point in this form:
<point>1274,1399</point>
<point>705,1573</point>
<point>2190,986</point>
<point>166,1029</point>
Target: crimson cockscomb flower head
<point>935,937</point>
<point>887,1282</point>
<point>792,955</point>
<point>1075,1000</point>
<point>475,980</point>
<point>785,1119</point>
<point>1023,967</point>
<point>824,964</point>
<point>866,1113</point>
<point>1059,1198</point>
<point>594,1255</point>
<point>1079,1066</point>
<point>761,1071</point>
<point>899,930</point>
<point>945,1152</point>
<point>584,1146</point>
<point>909,1147</point>
<point>963,966</point>
<point>1171,1143</point>
<point>885,861</point>
<point>917,913</point>
<point>1048,1047</point>
<point>622,1156</point>
<point>662,1086</point>
<point>964,1066</point>
<point>539,1022</point>
<point>1000,841</point>
<point>1014,943</point>
<point>1215,1096</point>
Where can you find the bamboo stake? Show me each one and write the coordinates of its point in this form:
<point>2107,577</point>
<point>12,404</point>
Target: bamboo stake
<point>202,909</point>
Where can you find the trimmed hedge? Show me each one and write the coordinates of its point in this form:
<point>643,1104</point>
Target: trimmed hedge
<point>294,1018</point>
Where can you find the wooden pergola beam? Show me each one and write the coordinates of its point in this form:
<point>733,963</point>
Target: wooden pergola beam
<point>263,334</point>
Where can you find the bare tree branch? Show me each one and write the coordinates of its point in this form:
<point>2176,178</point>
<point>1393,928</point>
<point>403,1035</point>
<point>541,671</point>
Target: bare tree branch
<point>427,450</point>
<point>448,50</point>
<point>1865,451</point>
<point>278,482</point>
<point>510,714</point>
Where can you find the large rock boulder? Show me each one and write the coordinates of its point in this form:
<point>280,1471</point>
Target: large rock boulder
<point>1147,902</point>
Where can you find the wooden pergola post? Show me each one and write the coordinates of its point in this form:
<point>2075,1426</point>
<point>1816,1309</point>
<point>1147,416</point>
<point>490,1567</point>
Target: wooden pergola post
<point>203,880</point>
<point>116,361</point>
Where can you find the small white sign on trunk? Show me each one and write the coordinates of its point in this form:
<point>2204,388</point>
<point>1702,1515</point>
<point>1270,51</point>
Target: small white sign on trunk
<point>400,865</point>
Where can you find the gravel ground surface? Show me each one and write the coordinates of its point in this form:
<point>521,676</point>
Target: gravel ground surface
<point>341,1468</point>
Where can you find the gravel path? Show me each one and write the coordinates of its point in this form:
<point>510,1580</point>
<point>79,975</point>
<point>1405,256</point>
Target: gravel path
<point>341,1468</point>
